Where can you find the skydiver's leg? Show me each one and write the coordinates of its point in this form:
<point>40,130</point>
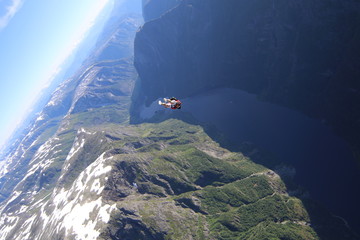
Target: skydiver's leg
<point>165,104</point>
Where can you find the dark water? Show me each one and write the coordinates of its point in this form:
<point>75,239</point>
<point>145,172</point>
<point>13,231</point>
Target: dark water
<point>324,163</point>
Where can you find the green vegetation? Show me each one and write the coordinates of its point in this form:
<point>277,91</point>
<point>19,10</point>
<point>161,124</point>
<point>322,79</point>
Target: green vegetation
<point>103,115</point>
<point>188,186</point>
<point>223,195</point>
<point>286,231</point>
<point>235,194</point>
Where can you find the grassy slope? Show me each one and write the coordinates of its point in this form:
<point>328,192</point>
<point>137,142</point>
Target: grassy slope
<point>189,187</point>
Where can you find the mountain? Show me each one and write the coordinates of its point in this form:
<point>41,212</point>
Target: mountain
<point>104,161</point>
<point>277,74</point>
<point>68,68</point>
<point>300,55</point>
<point>153,9</point>
<point>33,166</point>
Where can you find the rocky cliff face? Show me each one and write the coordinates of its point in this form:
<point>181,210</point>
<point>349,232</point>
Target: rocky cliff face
<point>301,55</point>
<point>153,9</point>
<point>83,171</point>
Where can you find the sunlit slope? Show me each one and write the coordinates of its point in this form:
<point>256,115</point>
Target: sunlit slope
<point>166,180</point>
<point>172,181</point>
<point>54,152</point>
<point>58,149</point>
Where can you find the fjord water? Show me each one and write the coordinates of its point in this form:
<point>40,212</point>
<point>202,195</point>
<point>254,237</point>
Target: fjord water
<point>323,161</point>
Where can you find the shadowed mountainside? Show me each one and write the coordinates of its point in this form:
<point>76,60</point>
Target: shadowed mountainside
<point>301,55</point>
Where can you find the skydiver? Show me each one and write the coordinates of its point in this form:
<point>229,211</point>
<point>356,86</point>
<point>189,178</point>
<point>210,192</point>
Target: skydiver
<point>172,103</point>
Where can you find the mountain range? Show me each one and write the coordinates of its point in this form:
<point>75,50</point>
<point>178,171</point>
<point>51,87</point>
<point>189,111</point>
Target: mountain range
<point>102,160</point>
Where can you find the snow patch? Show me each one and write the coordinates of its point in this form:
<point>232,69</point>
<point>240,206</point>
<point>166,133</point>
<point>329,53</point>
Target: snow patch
<point>82,130</point>
<point>6,225</point>
<point>3,168</point>
<point>22,209</point>
<point>40,166</point>
<point>26,228</point>
<point>44,217</point>
<point>77,146</point>
<point>41,117</point>
<point>78,220</point>
<point>96,186</point>
<point>51,103</point>
<point>15,195</point>
<point>45,149</point>
<point>79,209</point>
<point>105,213</point>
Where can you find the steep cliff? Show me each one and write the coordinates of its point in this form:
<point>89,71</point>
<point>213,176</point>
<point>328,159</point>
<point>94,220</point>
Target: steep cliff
<point>301,55</point>
<point>153,9</point>
<point>298,54</point>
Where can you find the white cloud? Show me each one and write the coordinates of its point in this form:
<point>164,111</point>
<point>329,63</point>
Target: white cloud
<point>11,10</point>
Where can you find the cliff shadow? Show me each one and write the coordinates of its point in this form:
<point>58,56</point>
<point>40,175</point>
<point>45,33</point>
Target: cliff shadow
<point>303,151</point>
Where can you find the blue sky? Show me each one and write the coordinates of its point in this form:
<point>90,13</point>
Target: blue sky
<point>36,37</point>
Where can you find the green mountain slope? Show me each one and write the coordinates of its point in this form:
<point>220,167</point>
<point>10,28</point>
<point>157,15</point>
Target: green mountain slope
<point>174,182</point>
